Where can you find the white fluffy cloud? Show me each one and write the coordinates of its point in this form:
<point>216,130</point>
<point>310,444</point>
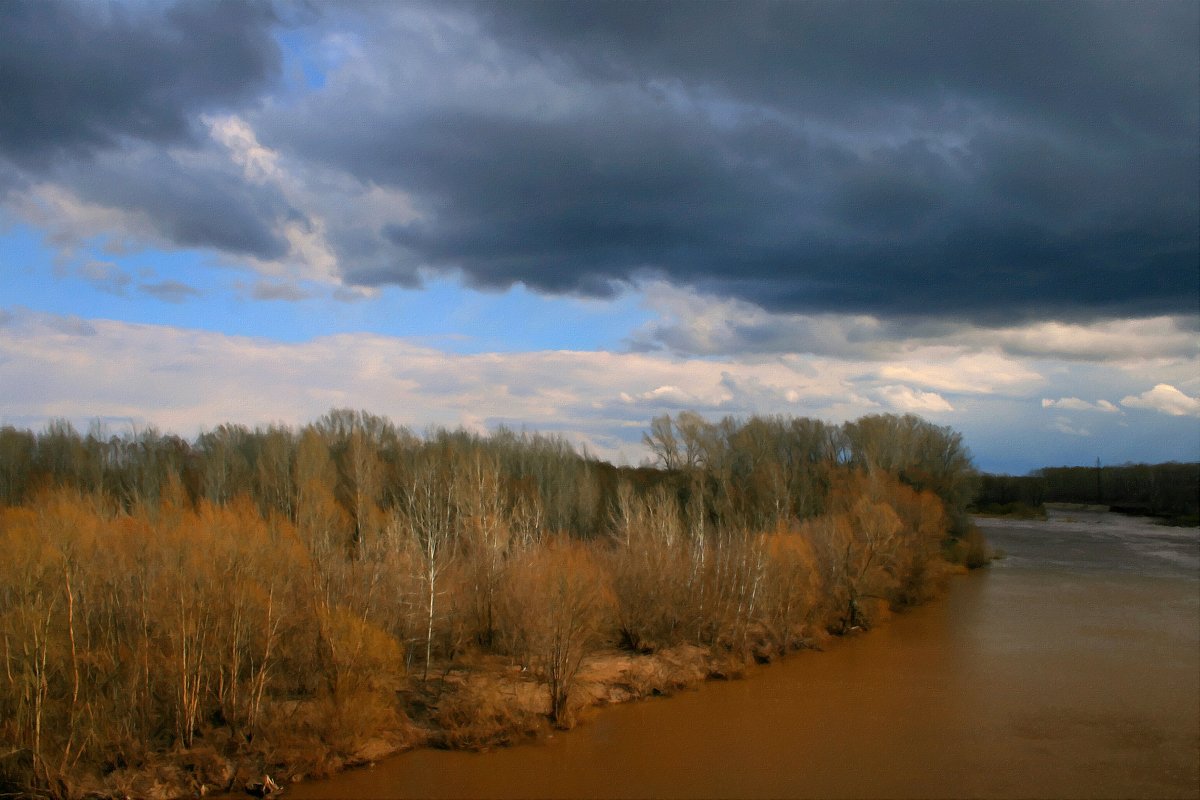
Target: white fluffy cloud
<point>289,220</point>
<point>1075,404</point>
<point>951,369</point>
<point>1101,340</point>
<point>1066,426</point>
<point>908,399</point>
<point>693,323</point>
<point>1165,399</point>
<point>333,204</point>
<point>184,380</point>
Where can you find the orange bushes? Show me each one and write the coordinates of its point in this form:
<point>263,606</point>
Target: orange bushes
<point>655,565</point>
<point>119,632</point>
<point>557,608</point>
<point>264,583</point>
<point>790,589</point>
<point>678,578</point>
<point>875,546</point>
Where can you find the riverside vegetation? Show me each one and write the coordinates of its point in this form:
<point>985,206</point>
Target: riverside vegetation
<point>1168,492</point>
<point>178,618</point>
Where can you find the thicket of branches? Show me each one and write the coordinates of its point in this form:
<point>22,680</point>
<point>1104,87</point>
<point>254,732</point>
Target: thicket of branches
<point>257,585</point>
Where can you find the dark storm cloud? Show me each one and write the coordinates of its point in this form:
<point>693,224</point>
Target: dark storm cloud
<point>199,201</point>
<point>77,77</point>
<point>563,207</point>
<point>993,161</point>
<point>1083,64</point>
<point>990,161</point>
<point>92,94</point>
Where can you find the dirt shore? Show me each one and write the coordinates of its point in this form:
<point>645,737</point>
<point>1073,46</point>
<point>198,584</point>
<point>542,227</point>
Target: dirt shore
<point>478,704</point>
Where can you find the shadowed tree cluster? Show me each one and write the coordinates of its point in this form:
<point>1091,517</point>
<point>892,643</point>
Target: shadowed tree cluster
<point>1168,490</point>
<point>231,593</point>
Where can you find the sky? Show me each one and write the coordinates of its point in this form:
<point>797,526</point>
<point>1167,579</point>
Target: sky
<point>573,217</point>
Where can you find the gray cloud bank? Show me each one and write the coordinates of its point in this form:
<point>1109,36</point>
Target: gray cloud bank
<point>79,77</point>
<point>996,162</point>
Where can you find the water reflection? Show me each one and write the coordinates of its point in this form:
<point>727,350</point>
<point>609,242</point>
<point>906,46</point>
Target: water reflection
<point>1070,669</point>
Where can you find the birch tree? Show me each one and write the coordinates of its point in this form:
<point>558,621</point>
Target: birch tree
<point>430,524</point>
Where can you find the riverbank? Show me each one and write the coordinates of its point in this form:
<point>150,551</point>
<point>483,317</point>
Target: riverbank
<point>348,590</point>
<point>485,702</point>
<point>479,704</point>
<point>1068,669</point>
<point>479,700</point>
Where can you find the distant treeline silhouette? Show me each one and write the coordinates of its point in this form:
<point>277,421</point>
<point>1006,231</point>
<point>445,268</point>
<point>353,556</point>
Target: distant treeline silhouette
<point>1170,490</point>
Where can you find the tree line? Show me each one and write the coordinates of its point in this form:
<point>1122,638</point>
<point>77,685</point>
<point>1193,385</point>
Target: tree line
<point>255,585</point>
<point>1170,490</point>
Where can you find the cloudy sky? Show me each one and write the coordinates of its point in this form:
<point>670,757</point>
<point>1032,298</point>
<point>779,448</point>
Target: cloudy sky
<point>574,216</point>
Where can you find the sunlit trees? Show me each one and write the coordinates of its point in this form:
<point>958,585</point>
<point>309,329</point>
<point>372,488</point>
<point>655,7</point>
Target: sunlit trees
<point>484,518</point>
<point>649,575</point>
<point>357,442</point>
<point>253,609</point>
<point>273,470</point>
<point>877,543</point>
<point>924,524</point>
<point>227,469</point>
<point>362,482</point>
<point>430,523</point>
<point>159,596</point>
<point>557,607</point>
<point>678,578</point>
<point>757,472</point>
<point>116,632</point>
<point>789,589</point>
<point>37,674</point>
<point>922,455</point>
<point>61,454</point>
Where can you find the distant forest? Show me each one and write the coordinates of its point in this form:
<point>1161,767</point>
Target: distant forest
<point>752,473</point>
<point>162,598</point>
<point>1170,491</point>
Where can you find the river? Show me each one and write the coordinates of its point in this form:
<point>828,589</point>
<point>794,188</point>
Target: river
<point>1071,668</point>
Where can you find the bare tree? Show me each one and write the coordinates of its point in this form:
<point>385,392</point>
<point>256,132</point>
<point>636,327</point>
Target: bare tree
<point>430,523</point>
<point>558,604</point>
<point>662,442</point>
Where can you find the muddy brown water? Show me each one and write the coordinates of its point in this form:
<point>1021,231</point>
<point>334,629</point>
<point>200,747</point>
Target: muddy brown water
<point>1069,669</point>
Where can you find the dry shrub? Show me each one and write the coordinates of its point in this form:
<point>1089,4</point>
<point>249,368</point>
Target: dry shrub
<point>877,547</point>
<point>924,525</point>
<point>651,676</point>
<point>653,574</point>
<point>206,767</point>
<point>478,714</point>
<point>349,721</point>
<point>557,604</point>
<point>789,590</point>
<point>971,549</point>
<point>367,660</point>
